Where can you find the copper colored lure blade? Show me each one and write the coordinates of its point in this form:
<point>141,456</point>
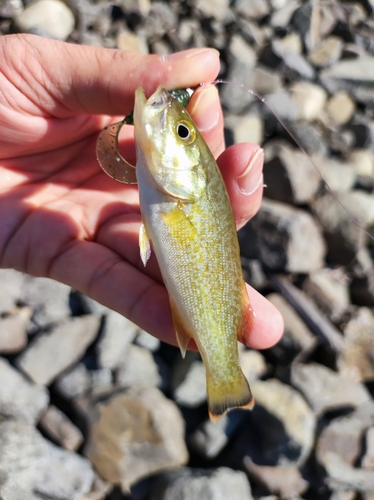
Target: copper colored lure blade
<point>109,157</point>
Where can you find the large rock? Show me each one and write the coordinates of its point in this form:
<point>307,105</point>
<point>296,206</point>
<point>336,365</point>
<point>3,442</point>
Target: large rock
<point>325,389</point>
<point>329,291</point>
<point>13,331</point>
<point>138,367</point>
<point>286,481</point>
<point>33,468</point>
<point>356,361</point>
<point>50,17</point>
<point>116,335</point>
<point>285,171</point>
<point>48,299</point>
<point>11,289</point>
<point>19,398</point>
<point>242,62</point>
<point>339,448</point>
<point>60,428</point>
<point>202,484</point>
<point>135,434</point>
<point>54,352</point>
<point>278,431</point>
<point>283,238</point>
<point>75,382</point>
<point>341,217</point>
<point>296,338</point>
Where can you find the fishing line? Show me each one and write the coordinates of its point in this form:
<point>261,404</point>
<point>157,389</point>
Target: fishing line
<point>302,149</point>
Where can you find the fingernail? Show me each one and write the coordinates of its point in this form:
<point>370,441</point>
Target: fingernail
<point>185,54</point>
<point>252,177</point>
<point>206,108</point>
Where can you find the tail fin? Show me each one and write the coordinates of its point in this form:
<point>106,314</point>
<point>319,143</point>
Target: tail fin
<point>226,396</point>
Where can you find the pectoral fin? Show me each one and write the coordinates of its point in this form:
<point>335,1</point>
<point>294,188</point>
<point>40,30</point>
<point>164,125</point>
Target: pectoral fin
<point>144,244</point>
<point>109,157</point>
<point>183,336</point>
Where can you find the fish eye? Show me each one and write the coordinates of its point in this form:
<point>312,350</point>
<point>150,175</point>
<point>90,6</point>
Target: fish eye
<point>185,132</point>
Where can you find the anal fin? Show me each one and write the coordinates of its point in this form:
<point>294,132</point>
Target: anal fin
<point>182,333</point>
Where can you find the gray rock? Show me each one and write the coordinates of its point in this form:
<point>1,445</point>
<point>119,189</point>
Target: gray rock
<point>248,128</point>
<point>297,64</point>
<point>144,339</point>
<point>326,52</point>
<point>11,289</point>
<point>289,43</point>
<point>204,484</point>
<point>189,381</point>
<point>340,215</point>
<point>336,174</point>
<point>75,382</point>
<point>19,398</point>
<point>265,80</point>
<point>31,467</point>
<point>281,17</point>
<point>357,70</point>
<point>135,434</point>
<point>101,381</point>
<point>343,495</point>
<point>241,64</point>
<point>297,338</point>
<point>329,292</point>
<point>309,98</point>
<point>362,161</point>
<point>341,107</point>
<point>131,41</point>
<point>368,458</point>
<point>252,363</point>
<point>283,238</point>
<point>339,448</point>
<point>287,423</point>
<point>54,352</point>
<point>139,6</point>
<point>353,75</point>
<point>49,300</point>
<point>116,335</point>
<point>209,439</point>
<point>13,335</point>
<point>138,367</point>
<point>285,172</point>
<point>282,105</point>
<point>60,428</point>
<point>10,8</point>
<point>218,9</point>
<point>285,481</point>
<point>50,16</point>
<point>159,21</point>
<point>310,136</point>
<point>252,9</point>
<point>325,389</point>
<point>356,362</point>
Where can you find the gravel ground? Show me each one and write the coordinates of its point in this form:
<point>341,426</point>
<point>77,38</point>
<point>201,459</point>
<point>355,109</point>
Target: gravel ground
<point>80,421</point>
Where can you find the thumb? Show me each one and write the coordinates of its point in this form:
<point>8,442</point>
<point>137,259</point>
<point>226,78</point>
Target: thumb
<point>76,79</point>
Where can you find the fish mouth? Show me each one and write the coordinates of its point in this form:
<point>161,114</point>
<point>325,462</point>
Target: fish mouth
<point>150,114</point>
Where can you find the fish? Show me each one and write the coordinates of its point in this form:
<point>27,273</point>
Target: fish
<point>187,220</point>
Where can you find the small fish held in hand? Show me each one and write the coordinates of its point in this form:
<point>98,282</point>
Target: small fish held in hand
<point>186,214</point>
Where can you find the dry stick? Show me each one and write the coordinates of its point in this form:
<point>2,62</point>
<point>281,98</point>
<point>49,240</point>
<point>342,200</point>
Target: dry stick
<point>313,317</point>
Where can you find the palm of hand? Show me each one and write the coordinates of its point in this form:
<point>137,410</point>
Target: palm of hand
<point>62,216</point>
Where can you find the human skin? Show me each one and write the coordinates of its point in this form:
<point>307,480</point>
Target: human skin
<point>61,216</point>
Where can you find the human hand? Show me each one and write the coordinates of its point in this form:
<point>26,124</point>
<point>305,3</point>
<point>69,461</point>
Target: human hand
<point>61,216</point>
